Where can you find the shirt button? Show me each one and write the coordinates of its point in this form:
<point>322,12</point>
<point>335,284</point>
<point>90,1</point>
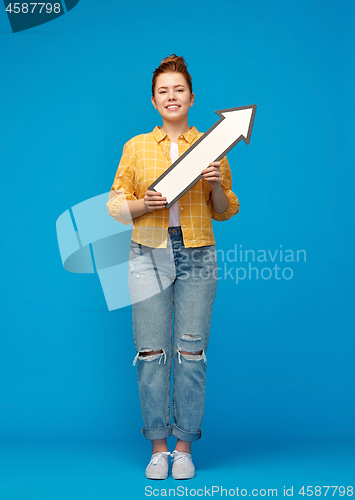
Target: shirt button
<point>183,225</point>
<point>180,142</point>
<point>181,208</point>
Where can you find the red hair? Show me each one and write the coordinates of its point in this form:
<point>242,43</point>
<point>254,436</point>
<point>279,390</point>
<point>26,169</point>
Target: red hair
<point>172,64</point>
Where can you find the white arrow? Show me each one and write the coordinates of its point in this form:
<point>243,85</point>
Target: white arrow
<point>234,125</point>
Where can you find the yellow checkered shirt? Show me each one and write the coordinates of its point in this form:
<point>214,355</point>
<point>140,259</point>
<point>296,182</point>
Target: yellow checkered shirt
<point>145,157</point>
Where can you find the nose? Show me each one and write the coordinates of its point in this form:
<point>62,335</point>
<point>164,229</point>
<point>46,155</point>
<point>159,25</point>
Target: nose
<point>171,95</point>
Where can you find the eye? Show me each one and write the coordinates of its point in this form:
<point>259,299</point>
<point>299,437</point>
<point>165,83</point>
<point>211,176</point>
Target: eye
<point>162,91</point>
<point>180,90</point>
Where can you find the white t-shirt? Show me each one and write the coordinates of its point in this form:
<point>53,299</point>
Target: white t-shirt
<point>174,213</point>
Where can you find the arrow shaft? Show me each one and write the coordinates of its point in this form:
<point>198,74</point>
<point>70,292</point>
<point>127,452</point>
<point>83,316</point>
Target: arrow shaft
<point>235,124</point>
<point>199,158</point>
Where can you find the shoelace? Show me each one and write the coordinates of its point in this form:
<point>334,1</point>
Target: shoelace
<point>177,456</point>
<point>158,458</point>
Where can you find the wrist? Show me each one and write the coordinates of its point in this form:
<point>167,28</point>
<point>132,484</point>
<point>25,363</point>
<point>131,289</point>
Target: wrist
<point>144,206</point>
<point>217,188</point>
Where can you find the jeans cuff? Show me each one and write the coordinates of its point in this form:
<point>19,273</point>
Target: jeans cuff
<point>183,435</point>
<point>157,433</point>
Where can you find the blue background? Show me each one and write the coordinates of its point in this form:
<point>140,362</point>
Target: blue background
<point>280,398</point>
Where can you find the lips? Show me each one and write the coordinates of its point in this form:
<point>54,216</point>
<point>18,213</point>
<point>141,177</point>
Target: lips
<point>172,107</point>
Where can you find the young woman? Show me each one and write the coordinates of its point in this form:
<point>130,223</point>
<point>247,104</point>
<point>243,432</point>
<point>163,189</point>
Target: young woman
<point>172,270</point>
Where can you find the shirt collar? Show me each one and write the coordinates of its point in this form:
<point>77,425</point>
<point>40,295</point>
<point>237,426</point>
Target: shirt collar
<point>188,136</point>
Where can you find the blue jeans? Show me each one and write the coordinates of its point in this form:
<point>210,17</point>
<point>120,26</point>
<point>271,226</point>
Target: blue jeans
<point>183,279</point>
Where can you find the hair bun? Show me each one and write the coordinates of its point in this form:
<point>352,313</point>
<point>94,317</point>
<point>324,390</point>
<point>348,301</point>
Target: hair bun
<point>174,58</point>
<point>172,64</point>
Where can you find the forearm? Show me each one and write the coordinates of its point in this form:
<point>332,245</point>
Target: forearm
<point>220,200</point>
<point>131,209</point>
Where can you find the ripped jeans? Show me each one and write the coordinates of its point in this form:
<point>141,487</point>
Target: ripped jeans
<point>160,280</point>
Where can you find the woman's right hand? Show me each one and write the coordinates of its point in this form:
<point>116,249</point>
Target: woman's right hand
<point>153,200</point>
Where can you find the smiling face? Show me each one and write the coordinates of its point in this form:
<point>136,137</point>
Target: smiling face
<point>172,97</point>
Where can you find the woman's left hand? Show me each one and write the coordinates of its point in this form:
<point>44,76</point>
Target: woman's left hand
<point>213,174</point>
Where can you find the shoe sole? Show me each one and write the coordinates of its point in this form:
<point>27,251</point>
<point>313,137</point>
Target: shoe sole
<point>156,477</point>
<point>184,477</point>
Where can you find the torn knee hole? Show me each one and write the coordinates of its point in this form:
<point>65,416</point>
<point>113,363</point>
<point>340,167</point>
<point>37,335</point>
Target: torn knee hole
<point>149,355</point>
<point>185,353</point>
<point>191,356</point>
<point>143,354</point>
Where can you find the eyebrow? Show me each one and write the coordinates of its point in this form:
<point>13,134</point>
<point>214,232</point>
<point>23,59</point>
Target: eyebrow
<point>180,85</point>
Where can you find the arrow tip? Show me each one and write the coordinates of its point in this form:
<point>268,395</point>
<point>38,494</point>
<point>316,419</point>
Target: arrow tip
<point>241,117</point>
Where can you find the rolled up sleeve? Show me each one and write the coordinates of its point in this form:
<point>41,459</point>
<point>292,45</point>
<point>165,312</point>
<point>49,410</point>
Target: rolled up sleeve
<point>226,184</point>
<point>123,188</point>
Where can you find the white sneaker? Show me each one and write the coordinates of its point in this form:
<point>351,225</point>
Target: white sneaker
<point>158,467</point>
<point>183,468</point>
